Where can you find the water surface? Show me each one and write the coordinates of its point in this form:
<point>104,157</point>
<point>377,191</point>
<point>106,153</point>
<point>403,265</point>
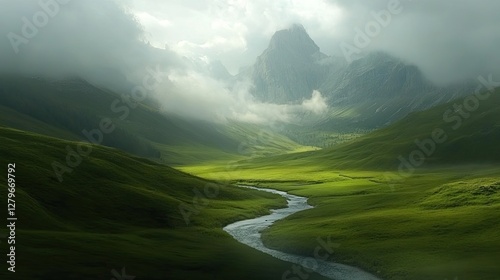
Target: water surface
<point>248,233</point>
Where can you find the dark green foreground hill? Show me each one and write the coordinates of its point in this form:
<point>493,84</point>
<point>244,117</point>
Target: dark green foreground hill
<point>118,211</point>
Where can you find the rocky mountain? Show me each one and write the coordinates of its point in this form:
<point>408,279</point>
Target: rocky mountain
<point>383,89</point>
<point>289,69</point>
<point>376,88</point>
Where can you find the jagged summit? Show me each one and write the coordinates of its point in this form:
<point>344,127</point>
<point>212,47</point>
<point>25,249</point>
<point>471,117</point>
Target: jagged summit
<point>378,84</point>
<point>294,39</point>
<point>287,71</point>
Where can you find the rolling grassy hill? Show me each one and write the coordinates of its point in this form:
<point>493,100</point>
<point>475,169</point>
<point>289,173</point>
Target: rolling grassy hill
<point>64,108</point>
<point>436,222</point>
<point>117,211</point>
<point>464,136</point>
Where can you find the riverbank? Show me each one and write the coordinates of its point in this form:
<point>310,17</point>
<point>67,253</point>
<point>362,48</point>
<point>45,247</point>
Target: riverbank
<point>438,224</point>
<point>249,232</point>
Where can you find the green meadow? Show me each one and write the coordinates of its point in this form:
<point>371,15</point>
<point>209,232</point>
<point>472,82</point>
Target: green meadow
<point>436,224</point>
<point>117,211</point>
<point>434,220</point>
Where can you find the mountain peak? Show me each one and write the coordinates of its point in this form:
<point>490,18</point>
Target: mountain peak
<point>297,27</point>
<point>294,38</point>
<point>288,71</point>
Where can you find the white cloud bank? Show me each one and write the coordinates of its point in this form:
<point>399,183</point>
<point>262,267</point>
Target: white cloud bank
<point>199,96</point>
<point>102,41</point>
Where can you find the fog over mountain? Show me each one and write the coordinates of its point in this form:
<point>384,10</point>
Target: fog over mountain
<point>108,41</point>
<point>449,40</point>
<point>69,38</point>
<point>289,69</point>
<point>250,139</point>
<point>56,39</point>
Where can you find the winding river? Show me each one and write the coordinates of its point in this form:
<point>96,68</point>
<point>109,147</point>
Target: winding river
<point>248,233</point>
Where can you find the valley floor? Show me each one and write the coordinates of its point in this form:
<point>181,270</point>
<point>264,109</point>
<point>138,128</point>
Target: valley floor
<point>115,211</point>
<point>116,214</point>
<point>439,223</point>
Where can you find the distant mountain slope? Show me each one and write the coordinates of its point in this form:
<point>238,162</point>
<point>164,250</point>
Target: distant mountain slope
<point>288,69</point>
<point>383,89</point>
<point>451,133</point>
<point>468,138</point>
<point>66,108</point>
<point>377,88</point>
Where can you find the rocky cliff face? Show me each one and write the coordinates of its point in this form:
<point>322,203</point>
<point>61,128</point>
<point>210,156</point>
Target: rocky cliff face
<point>289,69</point>
<point>293,66</point>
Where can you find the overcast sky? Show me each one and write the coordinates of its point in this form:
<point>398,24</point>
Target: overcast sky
<point>450,40</point>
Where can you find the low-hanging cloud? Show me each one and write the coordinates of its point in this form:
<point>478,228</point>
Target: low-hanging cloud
<point>103,42</point>
<point>199,96</point>
<point>450,40</point>
<point>60,38</point>
<point>316,104</point>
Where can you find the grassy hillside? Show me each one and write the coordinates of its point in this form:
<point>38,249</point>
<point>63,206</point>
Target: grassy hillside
<point>63,109</point>
<point>465,136</point>
<point>436,222</point>
<point>117,211</point>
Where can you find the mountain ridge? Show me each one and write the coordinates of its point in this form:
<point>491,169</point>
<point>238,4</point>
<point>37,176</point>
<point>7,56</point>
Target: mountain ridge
<point>286,72</point>
<point>293,66</point>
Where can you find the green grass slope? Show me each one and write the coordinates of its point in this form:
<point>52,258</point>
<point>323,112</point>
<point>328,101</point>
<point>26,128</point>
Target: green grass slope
<point>436,222</point>
<point>64,108</point>
<point>117,211</point>
<point>464,136</point>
